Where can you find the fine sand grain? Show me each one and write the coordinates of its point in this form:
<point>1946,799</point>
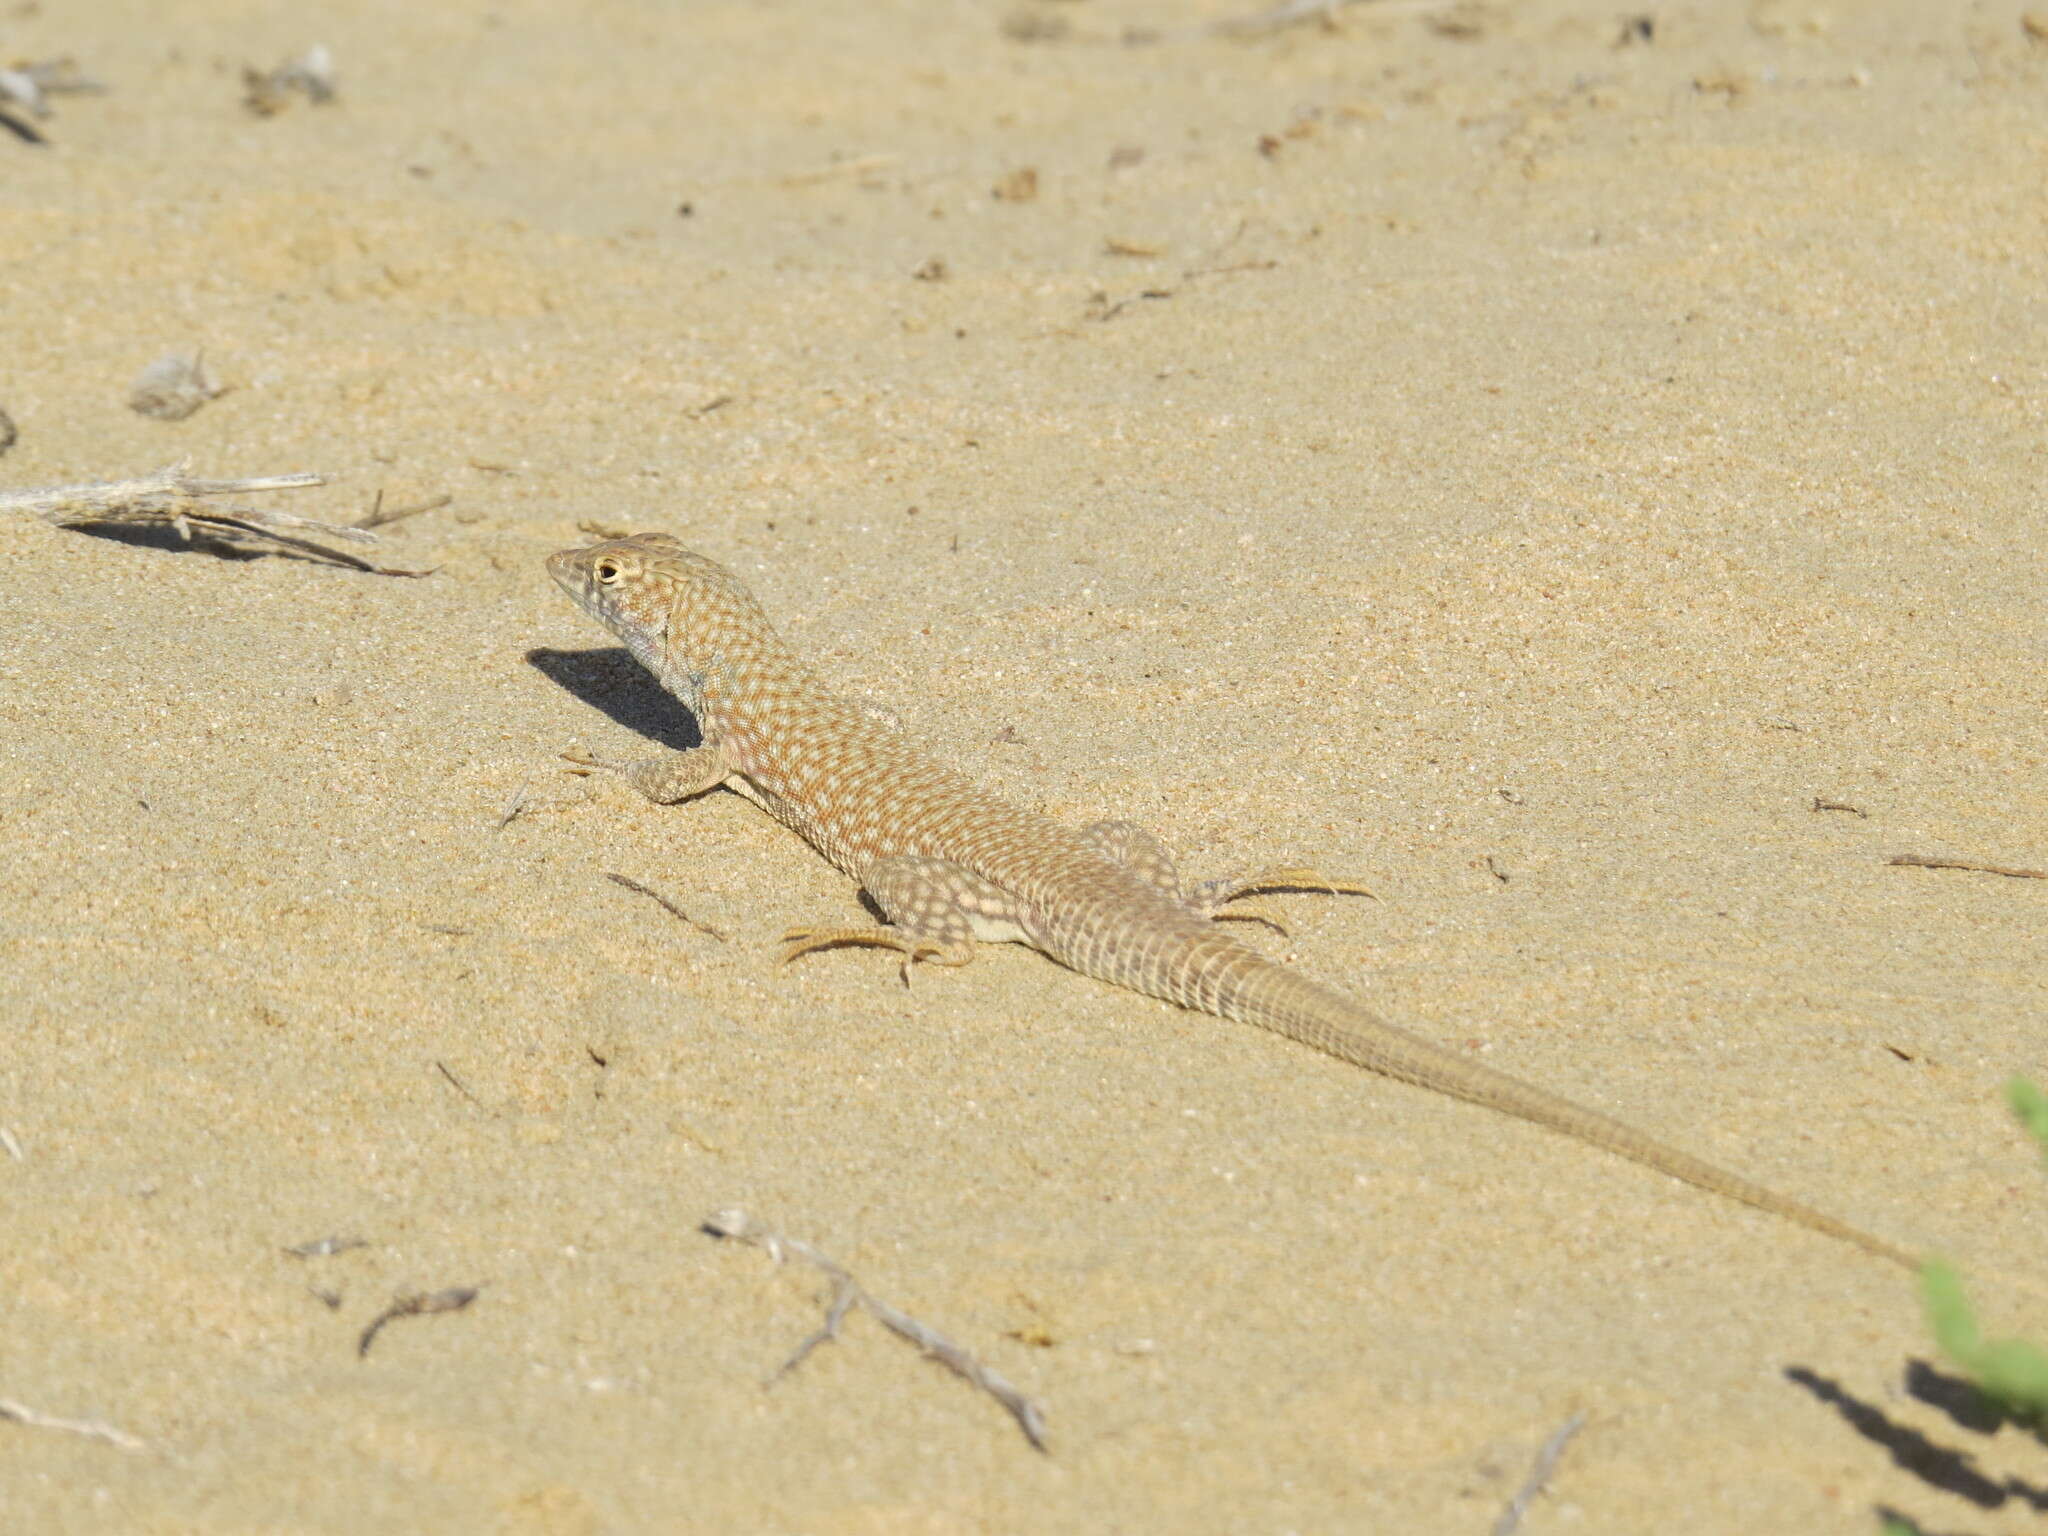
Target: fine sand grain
<point>1516,454</point>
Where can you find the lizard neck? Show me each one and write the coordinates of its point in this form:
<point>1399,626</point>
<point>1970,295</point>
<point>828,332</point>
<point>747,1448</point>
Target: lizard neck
<point>756,692</point>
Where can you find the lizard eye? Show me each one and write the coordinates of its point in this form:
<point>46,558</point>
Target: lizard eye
<point>607,572</point>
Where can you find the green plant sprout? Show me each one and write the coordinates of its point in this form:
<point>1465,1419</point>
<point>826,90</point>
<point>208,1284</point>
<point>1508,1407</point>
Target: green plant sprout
<point>2013,1373</point>
<point>2031,1105</point>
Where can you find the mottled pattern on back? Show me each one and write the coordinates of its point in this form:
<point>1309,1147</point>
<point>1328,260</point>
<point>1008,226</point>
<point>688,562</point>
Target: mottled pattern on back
<point>950,863</point>
<point>860,792</point>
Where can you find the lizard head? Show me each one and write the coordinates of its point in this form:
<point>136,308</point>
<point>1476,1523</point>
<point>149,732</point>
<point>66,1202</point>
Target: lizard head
<point>687,619</point>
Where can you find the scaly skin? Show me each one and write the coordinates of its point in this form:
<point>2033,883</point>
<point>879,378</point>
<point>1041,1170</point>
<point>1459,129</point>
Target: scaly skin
<point>950,864</point>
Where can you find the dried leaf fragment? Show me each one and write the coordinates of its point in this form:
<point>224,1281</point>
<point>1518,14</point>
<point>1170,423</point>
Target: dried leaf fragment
<point>311,74</point>
<point>173,387</point>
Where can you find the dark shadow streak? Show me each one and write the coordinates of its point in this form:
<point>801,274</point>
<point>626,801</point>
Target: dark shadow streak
<point>1937,1466</point>
<point>221,544</point>
<point>163,536</point>
<point>21,128</point>
<point>611,680</point>
<point>1957,1397</point>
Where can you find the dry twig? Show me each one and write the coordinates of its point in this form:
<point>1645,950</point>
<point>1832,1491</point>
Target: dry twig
<point>91,1428</point>
<point>513,806</point>
<point>416,1304</point>
<point>1924,861</point>
<point>847,1294</point>
<point>29,86</point>
<point>864,165</point>
<point>171,496</point>
<point>1032,26</point>
<point>25,91</point>
<point>1539,1474</point>
<point>1291,13</point>
<point>458,1084</point>
<point>379,514</point>
<point>668,906</point>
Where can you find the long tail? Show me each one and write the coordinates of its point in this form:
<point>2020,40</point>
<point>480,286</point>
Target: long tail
<point>1290,1004</point>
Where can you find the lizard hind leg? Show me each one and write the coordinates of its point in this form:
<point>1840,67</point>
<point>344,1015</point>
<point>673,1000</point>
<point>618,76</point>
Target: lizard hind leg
<point>1144,855</point>
<point>1132,848</point>
<point>936,911</point>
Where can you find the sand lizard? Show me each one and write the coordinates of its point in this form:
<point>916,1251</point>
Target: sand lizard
<point>950,864</point>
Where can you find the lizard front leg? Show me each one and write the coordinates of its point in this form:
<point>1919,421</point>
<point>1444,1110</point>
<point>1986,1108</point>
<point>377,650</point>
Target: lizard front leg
<point>936,911</point>
<point>666,779</point>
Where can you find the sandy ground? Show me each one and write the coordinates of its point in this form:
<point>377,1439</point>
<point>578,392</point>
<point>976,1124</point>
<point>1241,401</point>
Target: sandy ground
<point>1518,463</point>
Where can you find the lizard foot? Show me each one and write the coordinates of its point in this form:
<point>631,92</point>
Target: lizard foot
<point>1244,914</point>
<point>915,950</point>
<point>587,762</point>
<point>1211,895</point>
<point>664,779</point>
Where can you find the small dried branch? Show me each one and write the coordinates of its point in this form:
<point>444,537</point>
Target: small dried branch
<point>668,906</point>
<point>458,1084</point>
<point>1277,18</point>
<point>29,85</point>
<point>513,806</point>
<point>92,1429</point>
<point>847,1293</point>
<point>62,77</point>
<point>1924,861</point>
<point>171,496</point>
<point>379,514</point>
<point>864,165</point>
<point>1539,1474</point>
<point>1290,13</point>
<point>415,1304</point>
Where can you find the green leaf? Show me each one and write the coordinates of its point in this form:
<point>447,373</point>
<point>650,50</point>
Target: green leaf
<point>2031,1105</point>
<point>2011,1372</point>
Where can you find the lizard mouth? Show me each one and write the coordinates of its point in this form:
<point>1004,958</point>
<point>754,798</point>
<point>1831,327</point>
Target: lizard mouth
<point>562,566</point>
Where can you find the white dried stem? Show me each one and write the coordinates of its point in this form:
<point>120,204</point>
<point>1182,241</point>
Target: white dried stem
<point>170,496</point>
<point>92,1429</point>
<point>1539,1475</point>
<point>174,497</point>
